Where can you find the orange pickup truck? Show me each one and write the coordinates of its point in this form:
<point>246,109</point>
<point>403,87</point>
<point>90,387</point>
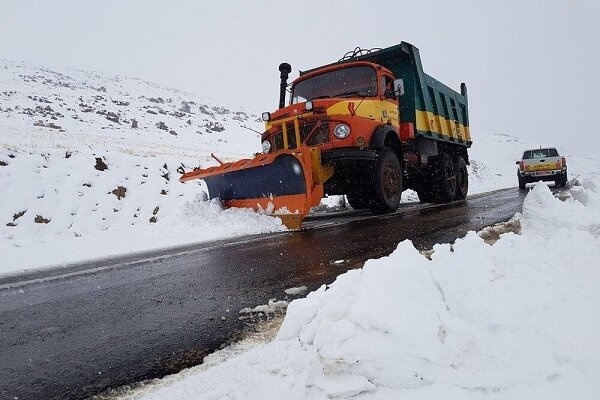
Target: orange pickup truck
<point>543,164</point>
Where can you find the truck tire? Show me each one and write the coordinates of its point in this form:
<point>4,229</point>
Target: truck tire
<point>387,183</point>
<point>462,178</point>
<point>444,179</point>
<point>357,201</point>
<point>425,192</point>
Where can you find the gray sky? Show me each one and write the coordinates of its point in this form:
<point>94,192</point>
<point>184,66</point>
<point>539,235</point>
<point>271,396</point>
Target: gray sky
<point>527,64</point>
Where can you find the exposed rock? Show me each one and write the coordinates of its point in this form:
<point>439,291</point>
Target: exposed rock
<point>204,110</point>
<point>100,164</point>
<point>185,107</point>
<point>111,116</point>
<point>214,127</point>
<point>41,220</point>
<point>134,123</point>
<point>162,125</point>
<point>50,125</point>
<point>119,192</point>
<point>18,215</point>
<point>178,114</point>
<point>221,110</point>
<point>153,219</point>
<point>172,132</point>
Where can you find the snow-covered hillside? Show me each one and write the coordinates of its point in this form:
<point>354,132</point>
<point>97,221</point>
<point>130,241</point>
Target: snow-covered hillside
<point>110,110</point>
<point>89,160</point>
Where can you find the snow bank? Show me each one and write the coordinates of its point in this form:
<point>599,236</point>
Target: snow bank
<point>68,202</point>
<point>516,320</point>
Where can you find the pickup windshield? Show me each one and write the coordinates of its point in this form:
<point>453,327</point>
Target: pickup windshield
<point>539,153</point>
<point>352,81</point>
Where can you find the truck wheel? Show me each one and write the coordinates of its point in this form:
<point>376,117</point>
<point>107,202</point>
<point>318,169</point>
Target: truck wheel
<point>462,179</point>
<point>425,193</point>
<point>387,184</point>
<point>357,201</point>
<point>444,179</point>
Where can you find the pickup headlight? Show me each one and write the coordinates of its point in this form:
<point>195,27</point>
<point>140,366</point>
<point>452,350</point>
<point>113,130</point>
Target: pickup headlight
<point>341,131</point>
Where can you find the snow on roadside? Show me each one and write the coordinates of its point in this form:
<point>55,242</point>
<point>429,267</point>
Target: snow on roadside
<point>515,320</point>
<point>80,198</point>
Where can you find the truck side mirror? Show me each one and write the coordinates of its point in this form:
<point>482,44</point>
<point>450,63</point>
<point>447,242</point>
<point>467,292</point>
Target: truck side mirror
<point>399,87</point>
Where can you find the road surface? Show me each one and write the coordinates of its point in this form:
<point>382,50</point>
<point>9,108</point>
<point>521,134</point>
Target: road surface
<point>74,332</point>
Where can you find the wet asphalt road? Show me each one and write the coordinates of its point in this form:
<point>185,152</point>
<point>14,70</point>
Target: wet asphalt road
<point>74,332</point>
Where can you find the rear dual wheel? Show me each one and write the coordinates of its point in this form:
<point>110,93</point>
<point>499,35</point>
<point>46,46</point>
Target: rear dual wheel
<point>449,181</point>
<point>462,178</point>
<point>444,179</point>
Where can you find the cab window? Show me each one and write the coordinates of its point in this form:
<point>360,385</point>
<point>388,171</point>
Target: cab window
<point>388,87</point>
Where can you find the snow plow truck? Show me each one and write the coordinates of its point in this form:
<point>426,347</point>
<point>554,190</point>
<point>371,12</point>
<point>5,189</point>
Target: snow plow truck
<point>367,126</point>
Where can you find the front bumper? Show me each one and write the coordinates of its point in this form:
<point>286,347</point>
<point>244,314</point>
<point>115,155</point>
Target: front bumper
<point>343,155</point>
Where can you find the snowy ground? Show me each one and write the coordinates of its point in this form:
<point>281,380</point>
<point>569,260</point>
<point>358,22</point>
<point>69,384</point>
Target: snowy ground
<point>518,319</point>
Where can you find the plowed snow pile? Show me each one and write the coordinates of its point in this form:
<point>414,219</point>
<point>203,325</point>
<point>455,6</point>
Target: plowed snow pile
<point>515,320</point>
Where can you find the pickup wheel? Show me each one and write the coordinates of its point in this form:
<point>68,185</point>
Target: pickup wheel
<point>387,183</point>
<point>462,178</point>
<point>444,179</point>
<point>561,182</point>
<point>522,183</point>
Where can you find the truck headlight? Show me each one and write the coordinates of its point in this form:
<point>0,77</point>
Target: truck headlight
<point>266,116</point>
<point>341,131</point>
<point>266,146</point>
<point>308,105</point>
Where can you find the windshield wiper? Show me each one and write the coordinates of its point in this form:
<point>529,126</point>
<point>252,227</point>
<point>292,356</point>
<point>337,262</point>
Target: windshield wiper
<point>359,93</point>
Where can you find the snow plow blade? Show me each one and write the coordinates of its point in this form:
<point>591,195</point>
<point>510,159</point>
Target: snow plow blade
<point>285,184</point>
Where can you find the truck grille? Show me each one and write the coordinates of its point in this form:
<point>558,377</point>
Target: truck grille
<point>318,131</point>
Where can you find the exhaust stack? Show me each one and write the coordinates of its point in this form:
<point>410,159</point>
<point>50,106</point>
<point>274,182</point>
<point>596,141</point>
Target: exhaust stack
<point>285,70</point>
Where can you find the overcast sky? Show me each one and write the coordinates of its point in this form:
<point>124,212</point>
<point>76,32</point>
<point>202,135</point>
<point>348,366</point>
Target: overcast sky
<point>531,67</point>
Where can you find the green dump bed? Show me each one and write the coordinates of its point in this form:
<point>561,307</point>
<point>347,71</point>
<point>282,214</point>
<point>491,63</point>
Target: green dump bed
<point>436,111</point>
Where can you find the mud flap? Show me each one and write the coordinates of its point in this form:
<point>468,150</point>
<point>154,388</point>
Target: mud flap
<point>285,184</point>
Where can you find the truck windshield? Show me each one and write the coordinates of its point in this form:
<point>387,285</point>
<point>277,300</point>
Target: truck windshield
<point>352,81</point>
<point>539,153</point>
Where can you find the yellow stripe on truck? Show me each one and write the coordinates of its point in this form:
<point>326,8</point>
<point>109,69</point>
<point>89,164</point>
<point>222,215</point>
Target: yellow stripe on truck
<point>428,121</point>
<point>378,110</point>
